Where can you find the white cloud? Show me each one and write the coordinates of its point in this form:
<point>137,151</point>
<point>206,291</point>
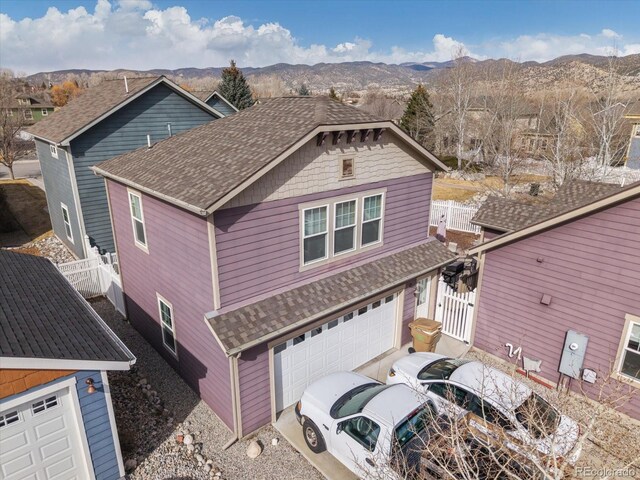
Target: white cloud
<point>608,33</point>
<point>134,34</point>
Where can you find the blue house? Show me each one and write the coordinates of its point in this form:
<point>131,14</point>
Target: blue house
<point>56,416</point>
<point>217,101</point>
<point>107,120</point>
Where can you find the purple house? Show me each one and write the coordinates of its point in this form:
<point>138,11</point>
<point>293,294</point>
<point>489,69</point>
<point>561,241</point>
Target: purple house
<point>281,243</point>
<point>561,281</point>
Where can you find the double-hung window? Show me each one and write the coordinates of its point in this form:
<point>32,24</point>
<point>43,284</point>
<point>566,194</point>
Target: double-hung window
<point>344,227</point>
<point>315,235</point>
<point>167,324</point>
<point>137,220</point>
<point>630,351</point>
<point>67,222</point>
<point>53,150</point>
<point>371,220</point>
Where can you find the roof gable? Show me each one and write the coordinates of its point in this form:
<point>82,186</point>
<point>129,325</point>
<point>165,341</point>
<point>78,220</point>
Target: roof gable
<point>99,102</point>
<point>212,163</point>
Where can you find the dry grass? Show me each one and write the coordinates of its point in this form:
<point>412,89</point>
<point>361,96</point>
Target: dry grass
<point>446,192</point>
<point>27,204</point>
<point>462,190</point>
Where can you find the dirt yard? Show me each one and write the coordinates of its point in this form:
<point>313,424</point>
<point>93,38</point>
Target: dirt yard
<point>26,204</point>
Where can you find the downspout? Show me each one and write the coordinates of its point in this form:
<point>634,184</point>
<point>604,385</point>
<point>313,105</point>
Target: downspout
<point>235,400</point>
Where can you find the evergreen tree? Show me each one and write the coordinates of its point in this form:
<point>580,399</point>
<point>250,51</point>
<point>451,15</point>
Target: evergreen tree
<point>234,87</point>
<point>303,91</point>
<point>333,95</point>
<point>417,119</point>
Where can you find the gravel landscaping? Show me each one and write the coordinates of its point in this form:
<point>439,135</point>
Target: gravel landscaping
<point>49,246</point>
<point>155,408</point>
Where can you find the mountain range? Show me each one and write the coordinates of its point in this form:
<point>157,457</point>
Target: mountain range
<point>358,76</point>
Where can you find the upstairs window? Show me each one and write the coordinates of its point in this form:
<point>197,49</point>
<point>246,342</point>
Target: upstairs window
<point>28,114</point>
<point>371,219</point>
<point>630,352</point>
<point>344,227</point>
<point>53,150</point>
<point>45,112</point>
<point>315,234</point>
<point>167,324</point>
<point>137,220</point>
<point>67,222</point>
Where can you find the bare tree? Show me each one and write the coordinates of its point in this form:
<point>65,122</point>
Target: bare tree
<point>459,87</point>
<point>606,117</point>
<point>377,103</point>
<point>12,120</point>
<point>268,86</point>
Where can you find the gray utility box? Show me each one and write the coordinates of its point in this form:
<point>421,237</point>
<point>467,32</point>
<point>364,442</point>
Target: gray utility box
<point>575,348</point>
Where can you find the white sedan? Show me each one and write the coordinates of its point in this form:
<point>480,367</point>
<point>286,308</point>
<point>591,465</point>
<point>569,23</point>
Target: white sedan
<point>501,402</point>
<point>365,424</point>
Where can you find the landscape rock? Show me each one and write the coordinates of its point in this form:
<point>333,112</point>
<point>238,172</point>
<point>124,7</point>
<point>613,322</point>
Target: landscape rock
<point>188,440</point>
<point>130,464</point>
<point>274,441</point>
<point>254,450</point>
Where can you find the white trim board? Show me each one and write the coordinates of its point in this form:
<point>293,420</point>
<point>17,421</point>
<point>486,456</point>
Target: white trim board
<point>21,363</point>
<point>112,421</point>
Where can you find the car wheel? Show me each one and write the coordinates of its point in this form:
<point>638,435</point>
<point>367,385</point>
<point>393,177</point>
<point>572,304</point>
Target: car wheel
<point>312,437</point>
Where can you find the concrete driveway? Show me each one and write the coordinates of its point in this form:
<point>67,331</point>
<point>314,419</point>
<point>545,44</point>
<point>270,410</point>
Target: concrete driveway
<point>25,168</point>
<point>327,464</point>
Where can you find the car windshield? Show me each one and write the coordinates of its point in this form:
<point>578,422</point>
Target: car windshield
<point>355,400</point>
<point>414,424</point>
<point>441,369</point>
<point>537,416</point>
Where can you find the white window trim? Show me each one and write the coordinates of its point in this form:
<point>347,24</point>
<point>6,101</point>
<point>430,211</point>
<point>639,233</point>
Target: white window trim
<point>163,325</point>
<point>53,150</point>
<point>45,112</point>
<point>630,320</point>
<point>355,229</point>
<point>142,246</point>
<point>327,231</point>
<point>331,203</point>
<point>381,218</point>
<point>69,234</point>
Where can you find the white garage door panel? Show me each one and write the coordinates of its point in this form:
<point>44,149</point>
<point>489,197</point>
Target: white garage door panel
<point>44,443</point>
<point>342,344</point>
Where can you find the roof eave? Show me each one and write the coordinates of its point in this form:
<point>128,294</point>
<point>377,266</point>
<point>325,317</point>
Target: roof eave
<point>325,313</point>
<point>33,363</point>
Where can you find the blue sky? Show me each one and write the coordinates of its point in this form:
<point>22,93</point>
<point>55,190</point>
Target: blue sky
<point>179,33</point>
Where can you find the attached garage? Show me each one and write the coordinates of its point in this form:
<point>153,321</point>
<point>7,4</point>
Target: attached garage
<point>41,438</point>
<point>344,343</point>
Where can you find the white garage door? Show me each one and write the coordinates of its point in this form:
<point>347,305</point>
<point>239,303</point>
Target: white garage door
<point>342,344</point>
<point>40,440</point>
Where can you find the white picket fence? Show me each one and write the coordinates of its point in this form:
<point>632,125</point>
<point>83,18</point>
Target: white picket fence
<point>455,311</point>
<point>96,275</point>
<point>457,215</point>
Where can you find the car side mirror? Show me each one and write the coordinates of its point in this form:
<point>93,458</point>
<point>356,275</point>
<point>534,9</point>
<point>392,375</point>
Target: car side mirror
<point>339,428</point>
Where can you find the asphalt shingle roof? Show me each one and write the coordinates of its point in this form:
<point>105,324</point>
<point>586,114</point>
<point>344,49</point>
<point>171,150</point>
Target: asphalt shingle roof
<point>509,215</point>
<point>200,166</point>
<point>42,316</point>
<point>90,105</point>
<point>287,311</point>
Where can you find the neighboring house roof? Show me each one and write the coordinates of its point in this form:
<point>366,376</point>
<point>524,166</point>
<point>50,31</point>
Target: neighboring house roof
<point>505,215</point>
<point>46,324</point>
<point>96,103</point>
<point>206,95</point>
<point>204,167</point>
<point>633,110</point>
<point>576,203</point>
<point>286,312</point>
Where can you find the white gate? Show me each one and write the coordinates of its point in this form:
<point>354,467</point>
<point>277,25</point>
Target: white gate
<point>455,311</point>
<point>457,215</point>
<point>95,276</point>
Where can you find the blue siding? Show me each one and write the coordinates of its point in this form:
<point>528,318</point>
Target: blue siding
<point>121,132</point>
<point>97,427</point>
<point>633,161</point>
<point>221,106</point>
<point>57,184</point>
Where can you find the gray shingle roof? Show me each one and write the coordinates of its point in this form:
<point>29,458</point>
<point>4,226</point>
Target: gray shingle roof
<point>201,165</point>
<point>42,316</point>
<point>81,111</point>
<point>276,315</point>
<point>509,215</point>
